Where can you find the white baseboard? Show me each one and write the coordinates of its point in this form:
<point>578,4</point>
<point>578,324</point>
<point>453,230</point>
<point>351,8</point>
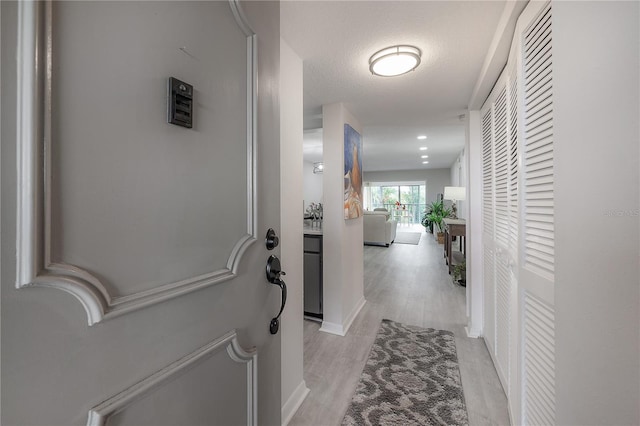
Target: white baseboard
<point>353,314</point>
<point>342,329</point>
<point>294,402</point>
<point>473,333</point>
<point>332,328</point>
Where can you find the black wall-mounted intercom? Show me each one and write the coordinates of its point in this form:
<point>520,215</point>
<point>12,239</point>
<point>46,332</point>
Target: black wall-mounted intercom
<point>180,105</point>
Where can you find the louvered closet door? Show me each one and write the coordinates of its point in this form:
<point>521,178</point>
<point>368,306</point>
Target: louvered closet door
<point>502,282</point>
<point>536,273</point>
<point>518,229</point>
<point>488,229</point>
<point>511,254</point>
<point>498,277</point>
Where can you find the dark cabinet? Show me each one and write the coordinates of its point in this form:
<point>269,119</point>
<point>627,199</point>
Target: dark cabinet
<point>313,276</point>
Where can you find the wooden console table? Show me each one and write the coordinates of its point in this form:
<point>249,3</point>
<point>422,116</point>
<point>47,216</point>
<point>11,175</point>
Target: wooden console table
<point>452,228</point>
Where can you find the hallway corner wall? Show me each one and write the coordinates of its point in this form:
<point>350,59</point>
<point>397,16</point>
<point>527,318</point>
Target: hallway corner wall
<point>343,268</point>
<point>294,389</point>
<point>475,284</point>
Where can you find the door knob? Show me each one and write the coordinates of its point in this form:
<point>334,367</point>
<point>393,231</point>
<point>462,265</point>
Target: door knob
<point>274,272</point>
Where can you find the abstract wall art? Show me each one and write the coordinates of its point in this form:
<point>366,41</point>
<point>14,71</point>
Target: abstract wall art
<point>353,200</point>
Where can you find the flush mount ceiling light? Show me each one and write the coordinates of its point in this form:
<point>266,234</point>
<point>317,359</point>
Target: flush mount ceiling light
<point>395,60</point>
<point>423,148</point>
<point>421,137</point>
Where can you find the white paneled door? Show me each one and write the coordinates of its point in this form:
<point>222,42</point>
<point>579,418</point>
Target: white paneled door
<point>518,225</point>
<point>133,254</point>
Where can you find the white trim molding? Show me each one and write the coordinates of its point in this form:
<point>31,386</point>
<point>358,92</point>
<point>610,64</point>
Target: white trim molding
<point>343,329</point>
<point>333,328</point>
<point>353,314</point>
<point>99,415</point>
<point>34,193</point>
<point>294,402</point>
<point>472,333</point>
<point>474,240</point>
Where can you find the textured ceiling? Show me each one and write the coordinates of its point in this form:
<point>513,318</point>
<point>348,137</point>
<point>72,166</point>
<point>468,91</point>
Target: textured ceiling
<point>335,40</point>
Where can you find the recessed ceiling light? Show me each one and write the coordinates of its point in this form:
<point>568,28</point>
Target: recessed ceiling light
<point>394,60</point>
<point>421,137</point>
<point>425,162</point>
<point>425,156</point>
<point>423,148</point>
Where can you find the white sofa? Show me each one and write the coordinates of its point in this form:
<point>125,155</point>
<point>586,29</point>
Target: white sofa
<point>379,229</point>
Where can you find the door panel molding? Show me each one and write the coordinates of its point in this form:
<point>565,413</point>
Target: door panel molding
<point>99,415</point>
<point>34,193</point>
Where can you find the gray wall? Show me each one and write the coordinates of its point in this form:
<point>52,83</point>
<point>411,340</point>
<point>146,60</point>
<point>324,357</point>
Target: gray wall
<point>312,185</point>
<point>596,168</point>
<point>459,178</point>
<point>436,179</point>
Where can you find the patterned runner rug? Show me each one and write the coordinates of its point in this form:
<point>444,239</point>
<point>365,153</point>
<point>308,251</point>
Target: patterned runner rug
<point>411,378</point>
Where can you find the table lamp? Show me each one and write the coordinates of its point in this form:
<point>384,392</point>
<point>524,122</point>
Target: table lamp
<point>455,193</point>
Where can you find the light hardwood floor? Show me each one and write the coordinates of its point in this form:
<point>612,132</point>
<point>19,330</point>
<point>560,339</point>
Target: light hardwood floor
<point>409,284</point>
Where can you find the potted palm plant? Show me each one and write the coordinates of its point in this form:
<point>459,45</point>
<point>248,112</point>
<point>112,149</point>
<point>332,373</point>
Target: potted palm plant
<point>438,213</point>
<point>430,208</point>
<point>425,221</point>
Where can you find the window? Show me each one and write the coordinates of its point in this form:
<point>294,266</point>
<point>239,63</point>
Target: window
<point>411,197</point>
